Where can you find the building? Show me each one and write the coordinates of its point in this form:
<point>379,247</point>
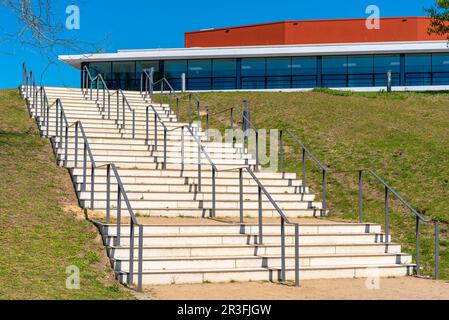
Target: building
<point>290,55</point>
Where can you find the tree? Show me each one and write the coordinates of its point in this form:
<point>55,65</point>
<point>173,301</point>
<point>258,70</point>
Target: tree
<point>439,14</point>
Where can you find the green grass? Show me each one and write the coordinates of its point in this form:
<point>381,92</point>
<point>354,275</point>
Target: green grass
<point>40,237</point>
<point>401,136</point>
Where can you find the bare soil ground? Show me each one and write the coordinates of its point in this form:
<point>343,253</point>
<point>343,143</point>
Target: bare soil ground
<point>408,288</point>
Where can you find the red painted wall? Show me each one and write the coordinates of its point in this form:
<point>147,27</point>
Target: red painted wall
<point>313,32</point>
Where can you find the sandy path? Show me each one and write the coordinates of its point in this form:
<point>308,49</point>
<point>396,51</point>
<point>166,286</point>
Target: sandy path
<point>350,289</point>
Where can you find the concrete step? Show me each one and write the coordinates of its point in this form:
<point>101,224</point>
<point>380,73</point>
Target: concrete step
<point>234,250</point>
<point>274,261</point>
<point>252,239</point>
<point>267,274</point>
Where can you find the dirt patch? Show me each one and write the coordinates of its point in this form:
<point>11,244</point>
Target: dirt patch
<point>349,289</point>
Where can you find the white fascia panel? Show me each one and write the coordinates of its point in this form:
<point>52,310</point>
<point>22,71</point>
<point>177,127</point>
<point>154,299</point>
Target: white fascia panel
<point>260,51</point>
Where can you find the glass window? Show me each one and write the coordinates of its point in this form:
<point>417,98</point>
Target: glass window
<point>418,69</point>
<point>335,71</point>
<point>147,65</point>
<point>224,67</point>
<point>304,66</point>
<point>440,62</point>
<point>123,70</point>
<point>101,67</point>
<point>175,68</point>
<point>253,67</point>
<point>360,64</point>
<point>417,63</point>
<point>335,65</point>
<point>385,63</point>
<point>200,68</point>
<point>279,67</point>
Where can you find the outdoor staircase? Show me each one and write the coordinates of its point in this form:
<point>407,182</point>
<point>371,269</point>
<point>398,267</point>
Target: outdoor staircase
<point>212,252</point>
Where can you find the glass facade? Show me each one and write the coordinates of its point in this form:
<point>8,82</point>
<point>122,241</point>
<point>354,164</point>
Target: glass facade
<point>283,72</point>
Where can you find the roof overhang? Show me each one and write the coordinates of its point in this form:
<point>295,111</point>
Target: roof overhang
<point>259,51</point>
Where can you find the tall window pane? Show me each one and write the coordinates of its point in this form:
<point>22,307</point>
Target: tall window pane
<point>123,75</point>
<point>440,69</point>
<point>253,73</point>
<point>147,65</point>
<point>100,67</point>
<point>383,64</point>
<point>360,71</point>
<point>304,72</point>
<point>173,71</point>
<point>418,69</point>
<point>335,69</point>
<point>224,74</point>
<point>278,72</point>
<point>199,75</point>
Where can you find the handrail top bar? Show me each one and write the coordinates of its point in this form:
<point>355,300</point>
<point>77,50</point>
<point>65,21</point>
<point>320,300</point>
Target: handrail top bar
<point>267,194</point>
<point>246,118</point>
<point>80,126</point>
<point>125,196</point>
<point>322,166</point>
<point>157,115</point>
<point>200,102</point>
<point>119,90</point>
<point>88,73</point>
<point>202,149</point>
<point>413,210</point>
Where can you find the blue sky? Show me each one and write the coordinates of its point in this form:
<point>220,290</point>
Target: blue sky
<point>135,24</point>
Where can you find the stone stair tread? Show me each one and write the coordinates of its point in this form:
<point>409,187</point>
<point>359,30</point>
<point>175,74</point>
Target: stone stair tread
<point>224,270</point>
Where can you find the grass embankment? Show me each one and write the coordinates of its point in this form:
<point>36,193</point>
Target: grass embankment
<point>41,232</point>
<point>404,137</point>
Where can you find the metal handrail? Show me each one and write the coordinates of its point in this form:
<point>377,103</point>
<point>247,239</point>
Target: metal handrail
<point>388,190</point>
<point>171,94</point>
<point>284,221</point>
<point>157,118</point>
<point>99,79</point>
<point>124,100</point>
<point>305,152</point>
<point>87,86</point>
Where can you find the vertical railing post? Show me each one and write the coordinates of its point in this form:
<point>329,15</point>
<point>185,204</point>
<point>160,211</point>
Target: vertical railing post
<point>177,109</point>
<point>283,249</point>
<point>214,195</point>
<point>190,109</point>
<point>257,150</point>
<point>165,148</point>
<point>418,247</point>
<point>131,254</point>
<point>281,152</point>
<point>84,167</point>
<point>134,124</point>
<point>437,250</point>
<point>156,142</point>
<point>360,196</point>
<point>387,217</point>
<point>108,193</point>
<point>66,154</point>
<point>324,205</point>
<point>297,255</point>
<point>260,215</point>
<point>140,260</point>
<point>119,215</point>
<point>147,138</point>
<point>304,169</point>
<point>199,166</point>
<point>241,193</point>
<point>182,147</point>
<point>232,128</point>
<point>76,144</point>
<point>92,185</point>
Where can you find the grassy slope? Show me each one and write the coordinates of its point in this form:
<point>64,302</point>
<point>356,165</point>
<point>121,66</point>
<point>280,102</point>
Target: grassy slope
<point>402,136</point>
<point>40,236</point>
